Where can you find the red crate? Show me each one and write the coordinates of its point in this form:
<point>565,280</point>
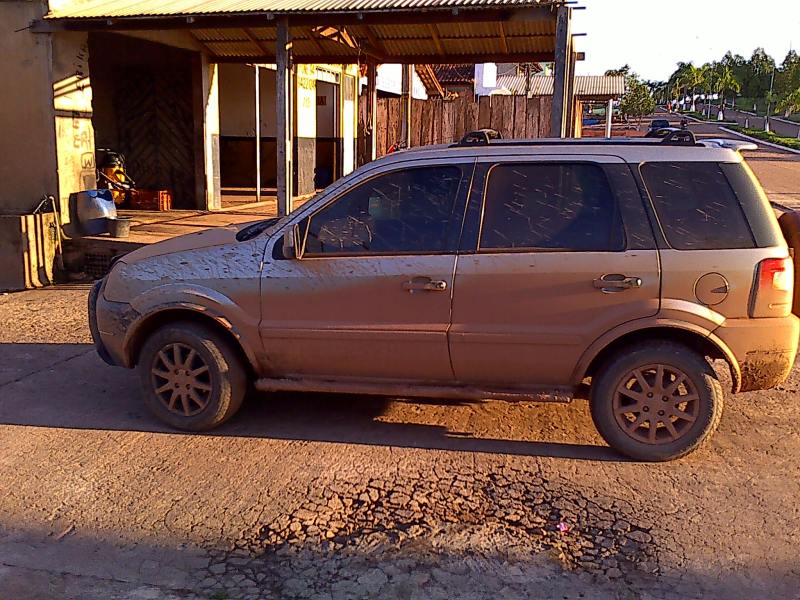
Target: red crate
<point>151,200</point>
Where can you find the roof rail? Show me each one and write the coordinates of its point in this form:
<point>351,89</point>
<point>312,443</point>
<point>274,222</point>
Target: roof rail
<point>682,137</point>
<point>480,137</point>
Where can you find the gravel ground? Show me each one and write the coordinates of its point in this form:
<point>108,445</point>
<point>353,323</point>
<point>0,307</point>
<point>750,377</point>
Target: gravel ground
<point>321,496</point>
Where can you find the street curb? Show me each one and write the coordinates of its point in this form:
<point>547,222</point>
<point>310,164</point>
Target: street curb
<point>758,141</point>
<point>704,122</point>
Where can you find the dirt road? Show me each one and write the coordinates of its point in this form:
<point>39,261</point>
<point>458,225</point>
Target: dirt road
<point>307,496</point>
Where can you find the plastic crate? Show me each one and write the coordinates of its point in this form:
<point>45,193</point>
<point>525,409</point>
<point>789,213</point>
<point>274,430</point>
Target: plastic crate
<point>151,200</point>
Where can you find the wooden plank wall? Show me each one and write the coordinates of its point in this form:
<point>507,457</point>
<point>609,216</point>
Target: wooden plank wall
<point>437,121</point>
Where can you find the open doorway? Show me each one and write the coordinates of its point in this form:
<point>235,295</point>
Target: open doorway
<point>328,140</point>
<point>144,108</point>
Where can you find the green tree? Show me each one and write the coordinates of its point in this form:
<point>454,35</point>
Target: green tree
<point>726,83</point>
<point>637,101</point>
<point>787,79</point>
<point>623,70</point>
<point>790,103</point>
<point>756,81</point>
<point>692,78</point>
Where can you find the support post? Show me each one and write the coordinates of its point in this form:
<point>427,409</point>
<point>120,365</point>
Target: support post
<point>405,95</point>
<point>609,116</point>
<point>283,125</point>
<point>372,110</point>
<point>258,131</point>
<point>211,129</point>
<point>558,118</point>
<point>570,101</point>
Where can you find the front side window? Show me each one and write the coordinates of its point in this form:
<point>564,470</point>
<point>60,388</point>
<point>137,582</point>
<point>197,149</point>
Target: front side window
<point>696,206</point>
<point>403,212</point>
<point>550,206</point>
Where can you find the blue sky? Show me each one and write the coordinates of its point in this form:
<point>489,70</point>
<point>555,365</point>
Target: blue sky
<point>653,36</point>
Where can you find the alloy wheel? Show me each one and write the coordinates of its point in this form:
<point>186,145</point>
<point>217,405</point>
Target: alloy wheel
<point>656,404</point>
<point>181,379</point>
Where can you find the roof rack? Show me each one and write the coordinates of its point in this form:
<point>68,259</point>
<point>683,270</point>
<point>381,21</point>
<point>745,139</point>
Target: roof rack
<point>682,137</point>
<point>486,137</point>
<point>481,137</point>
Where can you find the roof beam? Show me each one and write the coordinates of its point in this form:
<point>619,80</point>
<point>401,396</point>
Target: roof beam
<point>373,41</point>
<point>315,40</point>
<point>338,35</point>
<point>503,40</point>
<point>258,43</point>
<point>437,41</point>
<point>417,38</point>
<point>410,59</point>
<point>203,45</point>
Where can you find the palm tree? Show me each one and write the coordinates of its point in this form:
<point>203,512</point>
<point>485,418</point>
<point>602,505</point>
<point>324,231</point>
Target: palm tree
<point>677,83</point>
<point>726,82</point>
<point>690,78</point>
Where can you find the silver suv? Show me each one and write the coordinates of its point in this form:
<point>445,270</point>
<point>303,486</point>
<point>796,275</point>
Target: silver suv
<point>485,269</point>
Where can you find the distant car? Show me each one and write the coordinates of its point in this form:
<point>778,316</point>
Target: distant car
<point>509,269</point>
<point>656,124</point>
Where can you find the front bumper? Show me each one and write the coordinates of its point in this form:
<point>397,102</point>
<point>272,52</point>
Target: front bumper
<point>765,349</point>
<point>109,322</point>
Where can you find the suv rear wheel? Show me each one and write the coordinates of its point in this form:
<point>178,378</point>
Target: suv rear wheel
<point>656,402</point>
<point>192,378</point>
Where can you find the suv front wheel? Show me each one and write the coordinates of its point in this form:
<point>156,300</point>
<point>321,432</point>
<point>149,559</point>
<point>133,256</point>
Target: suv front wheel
<point>657,401</point>
<point>191,376</point>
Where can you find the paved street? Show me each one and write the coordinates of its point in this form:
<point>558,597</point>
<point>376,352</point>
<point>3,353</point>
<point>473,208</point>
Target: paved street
<point>320,496</point>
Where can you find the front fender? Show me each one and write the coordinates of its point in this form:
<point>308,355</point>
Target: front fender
<point>207,302</point>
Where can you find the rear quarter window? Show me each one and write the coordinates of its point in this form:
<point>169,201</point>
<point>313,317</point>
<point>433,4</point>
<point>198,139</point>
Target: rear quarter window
<point>696,206</point>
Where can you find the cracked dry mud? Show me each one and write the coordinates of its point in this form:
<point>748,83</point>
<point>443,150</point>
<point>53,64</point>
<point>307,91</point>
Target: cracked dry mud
<point>338,497</point>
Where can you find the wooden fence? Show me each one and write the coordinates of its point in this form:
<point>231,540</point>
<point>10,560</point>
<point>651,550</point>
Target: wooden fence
<point>437,121</point>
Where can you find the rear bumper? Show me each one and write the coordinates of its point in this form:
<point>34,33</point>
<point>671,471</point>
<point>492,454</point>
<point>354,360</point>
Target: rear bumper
<point>109,322</point>
<point>765,349</point>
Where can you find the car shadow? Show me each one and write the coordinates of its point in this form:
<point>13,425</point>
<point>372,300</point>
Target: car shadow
<point>68,386</point>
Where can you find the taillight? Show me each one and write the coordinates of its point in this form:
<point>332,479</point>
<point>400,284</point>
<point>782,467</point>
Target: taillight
<point>774,286</point>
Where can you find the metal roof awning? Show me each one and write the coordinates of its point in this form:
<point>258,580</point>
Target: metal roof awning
<point>336,31</point>
<point>587,87</point>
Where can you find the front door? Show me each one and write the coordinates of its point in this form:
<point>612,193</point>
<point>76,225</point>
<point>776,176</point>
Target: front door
<point>370,296</point>
<point>563,253</point>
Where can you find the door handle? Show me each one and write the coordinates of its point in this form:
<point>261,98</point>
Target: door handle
<point>425,284</point>
<point>617,283</point>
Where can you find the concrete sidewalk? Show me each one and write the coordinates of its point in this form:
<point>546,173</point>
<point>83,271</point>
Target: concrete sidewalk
<point>91,255</point>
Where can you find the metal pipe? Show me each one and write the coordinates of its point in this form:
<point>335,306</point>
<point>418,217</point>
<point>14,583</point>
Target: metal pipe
<point>258,132</point>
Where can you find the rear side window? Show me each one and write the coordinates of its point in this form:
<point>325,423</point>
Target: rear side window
<point>696,206</point>
<point>550,206</point>
<point>755,204</point>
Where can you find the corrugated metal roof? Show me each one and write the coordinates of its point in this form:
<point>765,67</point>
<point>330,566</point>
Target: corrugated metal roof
<point>241,30</point>
<point>87,9</point>
<point>455,74</point>
<point>428,78</point>
<point>586,86</point>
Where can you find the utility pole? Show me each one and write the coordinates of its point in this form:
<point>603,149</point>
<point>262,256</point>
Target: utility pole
<point>769,101</point>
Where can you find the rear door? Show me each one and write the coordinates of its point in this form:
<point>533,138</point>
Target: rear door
<point>717,227</point>
<point>561,252</point>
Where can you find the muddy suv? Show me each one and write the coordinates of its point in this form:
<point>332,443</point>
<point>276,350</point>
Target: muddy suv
<point>485,269</point>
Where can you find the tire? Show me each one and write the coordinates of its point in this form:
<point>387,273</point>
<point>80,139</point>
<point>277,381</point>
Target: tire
<point>626,398</point>
<point>202,388</point>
